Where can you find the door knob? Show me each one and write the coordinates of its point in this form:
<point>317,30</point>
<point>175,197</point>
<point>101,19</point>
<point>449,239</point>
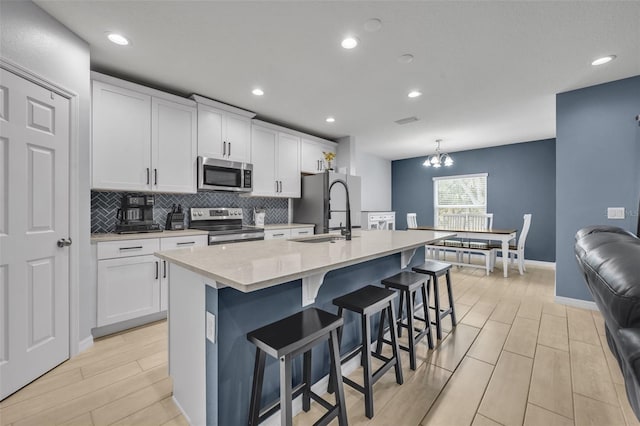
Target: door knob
<point>64,242</point>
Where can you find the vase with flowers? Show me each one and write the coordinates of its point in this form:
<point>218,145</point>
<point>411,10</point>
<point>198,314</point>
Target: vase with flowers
<point>328,157</point>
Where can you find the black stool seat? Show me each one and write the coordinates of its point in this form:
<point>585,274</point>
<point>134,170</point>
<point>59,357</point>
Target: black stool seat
<point>367,301</point>
<point>409,283</point>
<point>434,269</point>
<point>284,340</point>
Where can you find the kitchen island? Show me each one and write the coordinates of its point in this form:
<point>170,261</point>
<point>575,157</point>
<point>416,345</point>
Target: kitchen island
<point>217,294</point>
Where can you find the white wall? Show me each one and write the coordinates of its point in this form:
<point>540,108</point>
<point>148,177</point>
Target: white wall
<point>376,181</point>
<point>33,40</point>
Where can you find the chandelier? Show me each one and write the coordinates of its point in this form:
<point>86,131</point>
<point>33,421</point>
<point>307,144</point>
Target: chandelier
<point>438,159</point>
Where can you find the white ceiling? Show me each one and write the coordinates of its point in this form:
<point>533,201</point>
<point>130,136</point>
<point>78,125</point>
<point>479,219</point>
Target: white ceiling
<point>489,71</point>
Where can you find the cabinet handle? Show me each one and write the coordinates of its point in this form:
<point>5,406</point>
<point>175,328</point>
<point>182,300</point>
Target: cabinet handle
<point>278,235</point>
<point>148,176</point>
<point>164,269</point>
<point>157,269</point>
<point>318,167</point>
<point>303,232</point>
<point>224,148</point>
<point>131,248</point>
<point>229,149</point>
<point>186,243</point>
<point>155,176</point>
<point>276,186</point>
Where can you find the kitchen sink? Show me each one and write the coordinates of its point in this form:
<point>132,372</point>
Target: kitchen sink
<point>320,239</point>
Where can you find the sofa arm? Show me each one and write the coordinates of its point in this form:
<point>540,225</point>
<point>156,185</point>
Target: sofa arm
<point>628,352</point>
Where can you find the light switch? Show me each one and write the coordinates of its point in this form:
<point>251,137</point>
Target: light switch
<point>615,213</point>
<point>211,327</point>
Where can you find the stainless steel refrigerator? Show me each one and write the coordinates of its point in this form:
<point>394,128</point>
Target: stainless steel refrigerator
<point>313,207</point>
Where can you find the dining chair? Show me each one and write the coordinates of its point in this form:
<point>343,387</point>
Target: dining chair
<point>412,220</point>
<point>454,221</point>
<point>479,222</point>
<point>518,249</point>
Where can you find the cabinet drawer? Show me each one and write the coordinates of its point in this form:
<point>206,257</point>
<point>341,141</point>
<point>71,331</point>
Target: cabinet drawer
<point>171,243</point>
<point>125,248</point>
<point>301,232</point>
<point>275,234</point>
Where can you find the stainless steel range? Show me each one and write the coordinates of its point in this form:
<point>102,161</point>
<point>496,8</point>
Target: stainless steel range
<point>224,225</point>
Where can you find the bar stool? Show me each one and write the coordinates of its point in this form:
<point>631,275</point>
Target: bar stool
<point>284,340</point>
<point>408,283</point>
<point>434,269</point>
<point>367,301</point>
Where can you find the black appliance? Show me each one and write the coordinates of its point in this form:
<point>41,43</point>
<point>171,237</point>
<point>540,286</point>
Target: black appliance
<point>175,219</point>
<point>224,225</point>
<point>224,175</point>
<point>136,214</point>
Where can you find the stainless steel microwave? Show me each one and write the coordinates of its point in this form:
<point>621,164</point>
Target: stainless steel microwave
<point>224,175</point>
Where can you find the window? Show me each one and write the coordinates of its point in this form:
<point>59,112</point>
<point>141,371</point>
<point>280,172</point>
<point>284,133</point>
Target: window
<point>459,195</point>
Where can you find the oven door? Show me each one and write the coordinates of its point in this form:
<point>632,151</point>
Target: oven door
<point>222,175</point>
<point>235,238</point>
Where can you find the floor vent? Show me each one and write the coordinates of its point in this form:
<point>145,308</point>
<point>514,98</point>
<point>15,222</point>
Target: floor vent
<point>406,120</point>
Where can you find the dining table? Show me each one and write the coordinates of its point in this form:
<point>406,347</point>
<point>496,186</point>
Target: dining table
<point>502,235</point>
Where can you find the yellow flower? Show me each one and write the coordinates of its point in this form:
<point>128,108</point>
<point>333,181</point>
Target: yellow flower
<point>329,156</point>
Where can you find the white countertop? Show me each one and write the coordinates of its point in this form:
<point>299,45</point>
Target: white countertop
<point>273,226</point>
<point>98,238</point>
<point>254,265</point>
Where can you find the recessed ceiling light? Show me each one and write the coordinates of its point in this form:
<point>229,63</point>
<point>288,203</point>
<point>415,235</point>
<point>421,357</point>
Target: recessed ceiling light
<point>406,58</point>
<point>118,39</point>
<point>330,120</point>
<point>349,42</point>
<point>373,25</point>
<point>414,94</point>
<point>257,92</point>
<point>603,60</point>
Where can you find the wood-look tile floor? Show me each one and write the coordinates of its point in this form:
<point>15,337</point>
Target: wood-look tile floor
<point>515,358</point>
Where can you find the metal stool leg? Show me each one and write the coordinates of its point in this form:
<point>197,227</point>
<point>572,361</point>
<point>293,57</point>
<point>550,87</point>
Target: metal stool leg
<point>399,319</point>
<point>394,343</point>
<point>336,372</point>
<point>366,357</point>
<point>425,308</point>
<point>286,412</point>
<point>410,323</point>
<point>450,292</point>
<point>306,378</point>
<point>331,385</point>
<point>436,298</point>
<point>381,331</point>
<point>256,389</point>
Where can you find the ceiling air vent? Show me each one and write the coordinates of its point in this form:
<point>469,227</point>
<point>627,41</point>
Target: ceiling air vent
<point>406,120</point>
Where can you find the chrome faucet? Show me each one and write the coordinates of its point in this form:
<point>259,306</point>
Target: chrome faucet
<point>345,232</point>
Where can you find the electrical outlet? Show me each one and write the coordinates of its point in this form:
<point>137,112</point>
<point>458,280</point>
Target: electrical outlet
<point>615,213</point>
<point>211,327</point>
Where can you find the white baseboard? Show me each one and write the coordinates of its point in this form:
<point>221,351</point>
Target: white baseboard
<point>540,263</point>
<point>186,417</point>
<point>85,344</point>
<point>319,387</point>
<point>578,303</point>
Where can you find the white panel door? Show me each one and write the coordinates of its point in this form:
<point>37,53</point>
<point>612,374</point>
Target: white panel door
<point>210,132</point>
<point>121,139</point>
<point>128,287</point>
<point>311,156</point>
<point>174,146</point>
<point>263,148</point>
<point>34,215</point>
<point>238,138</point>
<point>288,165</point>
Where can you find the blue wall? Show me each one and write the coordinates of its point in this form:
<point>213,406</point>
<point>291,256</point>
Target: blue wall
<point>598,157</point>
<point>522,179</point>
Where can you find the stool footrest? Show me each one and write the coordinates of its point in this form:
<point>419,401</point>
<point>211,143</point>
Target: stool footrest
<point>275,406</point>
<point>349,355</point>
<point>320,400</point>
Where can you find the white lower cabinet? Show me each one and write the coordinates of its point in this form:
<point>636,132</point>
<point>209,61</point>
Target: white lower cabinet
<point>128,287</point>
<point>301,232</point>
<point>277,234</point>
<point>132,282</point>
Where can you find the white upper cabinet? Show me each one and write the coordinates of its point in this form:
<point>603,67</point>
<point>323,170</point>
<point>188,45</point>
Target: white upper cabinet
<point>276,167</point>
<point>312,157</point>
<point>142,139</point>
<point>224,132</point>
<point>121,130</point>
<point>174,146</point>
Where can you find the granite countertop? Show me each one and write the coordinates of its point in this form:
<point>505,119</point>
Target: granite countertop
<point>254,265</point>
<point>98,238</point>
<point>273,226</point>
